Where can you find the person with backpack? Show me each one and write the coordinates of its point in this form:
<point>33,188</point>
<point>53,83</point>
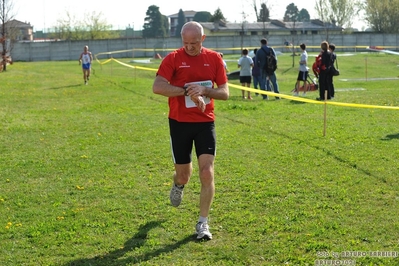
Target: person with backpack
<point>324,65</point>
<point>266,60</point>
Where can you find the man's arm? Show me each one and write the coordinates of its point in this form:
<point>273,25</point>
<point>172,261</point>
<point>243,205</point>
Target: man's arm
<point>258,57</point>
<point>219,93</point>
<point>162,86</point>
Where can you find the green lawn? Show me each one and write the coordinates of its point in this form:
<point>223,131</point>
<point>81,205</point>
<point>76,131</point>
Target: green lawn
<point>85,171</point>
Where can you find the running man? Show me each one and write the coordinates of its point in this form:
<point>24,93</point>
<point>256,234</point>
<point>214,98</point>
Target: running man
<point>85,59</point>
<point>187,77</point>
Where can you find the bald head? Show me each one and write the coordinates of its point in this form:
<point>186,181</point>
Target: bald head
<point>192,34</point>
<point>192,26</point>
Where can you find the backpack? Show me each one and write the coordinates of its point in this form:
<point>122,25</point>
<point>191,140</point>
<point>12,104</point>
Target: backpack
<point>334,71</point>
<point>271,62</point>
<point>318,65</point>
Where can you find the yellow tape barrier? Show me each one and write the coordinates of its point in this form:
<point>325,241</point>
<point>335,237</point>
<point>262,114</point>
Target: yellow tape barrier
<point>124,64</point>
<point>355,47</point>
<point>299,99</point>
<point>294,98</point>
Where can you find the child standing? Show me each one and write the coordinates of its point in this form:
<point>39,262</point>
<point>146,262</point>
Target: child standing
<point>245,63</point>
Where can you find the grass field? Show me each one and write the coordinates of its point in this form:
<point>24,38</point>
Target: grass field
<point>85,171</point>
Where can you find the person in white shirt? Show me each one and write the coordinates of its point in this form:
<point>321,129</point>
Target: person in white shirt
<point>85,60</point>
<point>303,71</point>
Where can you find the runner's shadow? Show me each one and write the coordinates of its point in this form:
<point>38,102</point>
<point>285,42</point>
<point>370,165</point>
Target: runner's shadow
<point>65,87</point>
<point>114,258</point>
<point>391,137</point>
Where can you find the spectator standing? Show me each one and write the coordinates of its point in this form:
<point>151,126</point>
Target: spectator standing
<point>245,63</point>
<point>324,75</point>
<point>303,71</point>
<point>331,46</point>
<point>256,75</point>
<point>224,62</point>
<point>266,78</point>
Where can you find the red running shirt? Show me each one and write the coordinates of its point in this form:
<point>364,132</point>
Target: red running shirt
<point>179,69</point>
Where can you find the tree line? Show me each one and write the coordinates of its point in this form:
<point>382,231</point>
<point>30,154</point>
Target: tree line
<point>380,15</point>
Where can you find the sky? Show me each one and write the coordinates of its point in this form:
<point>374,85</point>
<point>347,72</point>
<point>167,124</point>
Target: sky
<point>43,14</point>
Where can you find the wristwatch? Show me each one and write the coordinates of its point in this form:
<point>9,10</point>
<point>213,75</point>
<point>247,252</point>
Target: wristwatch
<point>185,90</point>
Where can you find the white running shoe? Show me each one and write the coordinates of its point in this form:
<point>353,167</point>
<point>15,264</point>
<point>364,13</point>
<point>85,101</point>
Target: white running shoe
<point>176,195</point>
<point>203,231</point>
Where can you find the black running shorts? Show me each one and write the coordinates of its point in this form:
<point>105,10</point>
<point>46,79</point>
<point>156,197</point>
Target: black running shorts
<point>184,134</point>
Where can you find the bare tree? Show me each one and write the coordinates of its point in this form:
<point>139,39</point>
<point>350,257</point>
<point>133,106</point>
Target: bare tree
<point>6,30</point>
<point>93,27</point>
<point>244,26</point>
<point>337,12</point>
<point>64,28</point>
<point>97,27</point>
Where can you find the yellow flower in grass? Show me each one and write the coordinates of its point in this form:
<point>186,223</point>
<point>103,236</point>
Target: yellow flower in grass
<point>9,224</point>
<point>80,188</point>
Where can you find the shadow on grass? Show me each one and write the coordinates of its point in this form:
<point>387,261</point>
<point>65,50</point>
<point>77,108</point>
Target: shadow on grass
<point>138,240</point>
<point>391,137</point>
<point>297,102</point>
<point>68,86</point>
<point>320,148</point>
<point>288,70</point>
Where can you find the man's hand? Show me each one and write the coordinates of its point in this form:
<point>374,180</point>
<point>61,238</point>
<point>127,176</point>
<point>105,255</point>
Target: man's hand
<point>199,102</point>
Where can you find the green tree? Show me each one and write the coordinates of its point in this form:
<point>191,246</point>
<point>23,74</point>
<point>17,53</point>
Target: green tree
<point>217,16</point>
<point>382,15</point>
<point>181,19</point>
<point>165,23</point>
<point>202,16</point>
<point>291,13</point>
<point>264,13</point>
<point>303,15</point>
<point>154,25</point>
